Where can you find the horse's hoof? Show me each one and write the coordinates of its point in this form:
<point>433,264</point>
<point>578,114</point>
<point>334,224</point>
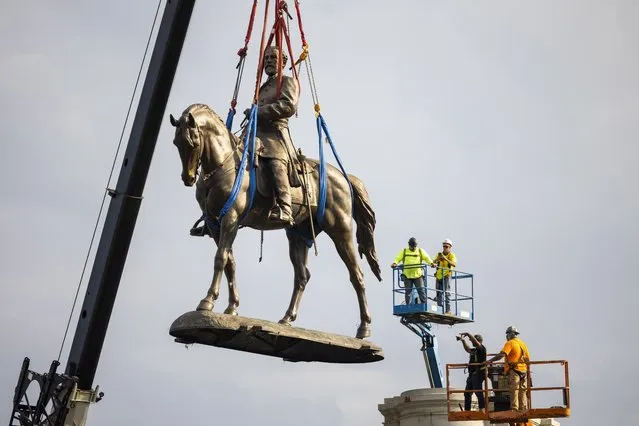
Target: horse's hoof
<point>230,311</point>
<point>363,331</point>
<point>285,321</point>
<point>205,305</point>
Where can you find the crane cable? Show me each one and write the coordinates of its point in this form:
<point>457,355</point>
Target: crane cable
<point>305,57</point>
<point>107,190</point>
<point>321,125</point>
<point>242,52</point>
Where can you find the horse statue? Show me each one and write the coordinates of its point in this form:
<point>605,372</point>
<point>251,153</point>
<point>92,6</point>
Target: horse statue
<point>207,148</point>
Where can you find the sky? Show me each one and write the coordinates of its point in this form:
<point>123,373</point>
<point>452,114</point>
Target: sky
<point>506,126</point>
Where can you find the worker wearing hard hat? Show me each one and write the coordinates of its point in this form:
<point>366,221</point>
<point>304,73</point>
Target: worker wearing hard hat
<point>516,353</point>
<point>445,262</point>
<point>413,275</point>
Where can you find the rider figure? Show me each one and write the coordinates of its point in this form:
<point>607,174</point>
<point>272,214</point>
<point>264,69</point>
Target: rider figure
<point>275,150</point>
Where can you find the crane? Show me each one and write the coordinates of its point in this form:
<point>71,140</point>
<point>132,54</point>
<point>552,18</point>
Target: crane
<point>64,398</point>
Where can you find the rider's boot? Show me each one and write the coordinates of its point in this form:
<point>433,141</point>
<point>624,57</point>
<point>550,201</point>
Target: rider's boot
<point>281,215</point>
<point>282,212</point>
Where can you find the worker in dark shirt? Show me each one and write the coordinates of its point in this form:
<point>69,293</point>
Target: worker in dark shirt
<point>476,373</point>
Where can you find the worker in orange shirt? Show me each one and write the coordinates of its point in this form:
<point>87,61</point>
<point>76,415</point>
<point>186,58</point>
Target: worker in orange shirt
<point>516,353</point>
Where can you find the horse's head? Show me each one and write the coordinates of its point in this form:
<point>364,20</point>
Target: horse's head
<point>188,141</point>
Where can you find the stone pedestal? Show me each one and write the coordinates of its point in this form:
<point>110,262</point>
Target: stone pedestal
<point>421,407</point>
<point>428,407</point>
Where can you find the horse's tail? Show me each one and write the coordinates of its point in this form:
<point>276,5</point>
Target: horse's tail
<point>365,219</point>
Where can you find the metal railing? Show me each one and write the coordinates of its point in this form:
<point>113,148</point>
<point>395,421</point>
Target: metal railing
<point>493,372</point>
<point>458,281</point>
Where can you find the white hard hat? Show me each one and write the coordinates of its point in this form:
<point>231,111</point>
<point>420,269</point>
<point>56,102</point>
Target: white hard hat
<point>447,241</point>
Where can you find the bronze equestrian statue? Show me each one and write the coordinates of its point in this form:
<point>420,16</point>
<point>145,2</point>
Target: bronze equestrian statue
<point>285,184</point>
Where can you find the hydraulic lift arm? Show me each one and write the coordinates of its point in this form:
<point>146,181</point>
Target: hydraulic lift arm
<point>429,350</point>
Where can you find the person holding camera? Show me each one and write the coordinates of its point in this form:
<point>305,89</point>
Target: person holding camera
<point>476,373</point>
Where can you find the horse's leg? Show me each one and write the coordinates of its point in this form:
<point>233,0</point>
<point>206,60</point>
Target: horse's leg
<point>228,231</point>
<point>234,297</point>
<point>342,238</point>
<point>298,252</point>
<point>229,271</point>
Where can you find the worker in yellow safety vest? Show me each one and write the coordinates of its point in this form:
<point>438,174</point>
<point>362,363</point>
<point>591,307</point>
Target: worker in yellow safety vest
<point>412,259</point>
<point>446,262</point>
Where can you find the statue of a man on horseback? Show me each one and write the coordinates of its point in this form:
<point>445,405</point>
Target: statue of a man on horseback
<point>274,146</point>
<point>210,157</point>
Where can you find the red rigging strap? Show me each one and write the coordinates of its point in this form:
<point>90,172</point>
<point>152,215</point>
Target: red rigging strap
<point>278,43</point>
<point>283,31</point>
<point>249,30</point>
<point>290,55</point>
<point>299,20</point>
<point>278,33</point>
<point>242,54</point>
<point>260,63</point>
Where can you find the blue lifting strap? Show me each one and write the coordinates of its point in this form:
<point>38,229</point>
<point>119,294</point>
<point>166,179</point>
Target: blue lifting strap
<point>213,223</point>
<point>229,118</point>
<point>248,153</point>
<point>321,204</point>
